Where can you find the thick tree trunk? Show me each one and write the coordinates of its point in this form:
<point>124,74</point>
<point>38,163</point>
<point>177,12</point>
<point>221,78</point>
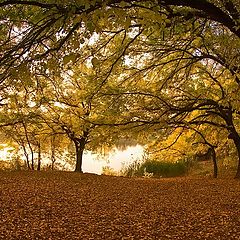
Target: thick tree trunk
<point>233,134</point>
<point>80,144</point>
<point>79,157</point>
<point>237,144</point>
<point>236,139</point>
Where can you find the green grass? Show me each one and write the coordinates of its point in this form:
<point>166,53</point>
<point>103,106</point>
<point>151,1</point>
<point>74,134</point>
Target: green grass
<point>154,168</point>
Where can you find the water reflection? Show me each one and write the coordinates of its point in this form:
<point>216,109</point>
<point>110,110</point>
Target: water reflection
<point>93,163</point>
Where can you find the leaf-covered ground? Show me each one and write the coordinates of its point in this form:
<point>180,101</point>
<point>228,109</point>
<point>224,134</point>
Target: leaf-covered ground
<point>85,206</point>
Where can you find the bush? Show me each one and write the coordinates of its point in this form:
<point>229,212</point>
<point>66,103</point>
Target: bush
<point>106,170</point>
<point>13,164</point>
<point>165,169</point>
<point>156,168</point>
<point>132,169</point>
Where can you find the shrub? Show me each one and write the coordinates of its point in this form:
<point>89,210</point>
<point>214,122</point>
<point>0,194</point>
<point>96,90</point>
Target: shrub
<point>165,169</point>
<point>133,169</point>
<point>106,170</point>
<point>13,164</point>
<point>156,168</point>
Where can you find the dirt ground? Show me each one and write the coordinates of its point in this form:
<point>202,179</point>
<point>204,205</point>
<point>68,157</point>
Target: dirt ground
<point>63,205</point>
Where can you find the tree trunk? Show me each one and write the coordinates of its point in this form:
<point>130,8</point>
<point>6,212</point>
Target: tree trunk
<point>80,144</point>
<point>39,157</point>
<point>237,144</point>
<point>53,150</point>
<point>27,158</point>
<point>32,159</point>
<point>79,156</point>
<point>233,134</point>
<point>29,144</point>
<point>53,159</point>
<point>236,139</point>
<point>215,167</point>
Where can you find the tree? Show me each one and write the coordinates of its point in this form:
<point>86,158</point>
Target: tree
<point>182,80</point>
<point>72,103</point>
<point>46,27</point>
<point>149,56</point>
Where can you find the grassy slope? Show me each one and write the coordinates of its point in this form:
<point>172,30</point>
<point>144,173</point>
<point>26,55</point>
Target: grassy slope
<point>84,206</point>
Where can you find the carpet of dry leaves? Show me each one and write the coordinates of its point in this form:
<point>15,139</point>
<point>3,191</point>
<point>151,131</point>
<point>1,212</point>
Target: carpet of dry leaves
<point>85,206</point>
